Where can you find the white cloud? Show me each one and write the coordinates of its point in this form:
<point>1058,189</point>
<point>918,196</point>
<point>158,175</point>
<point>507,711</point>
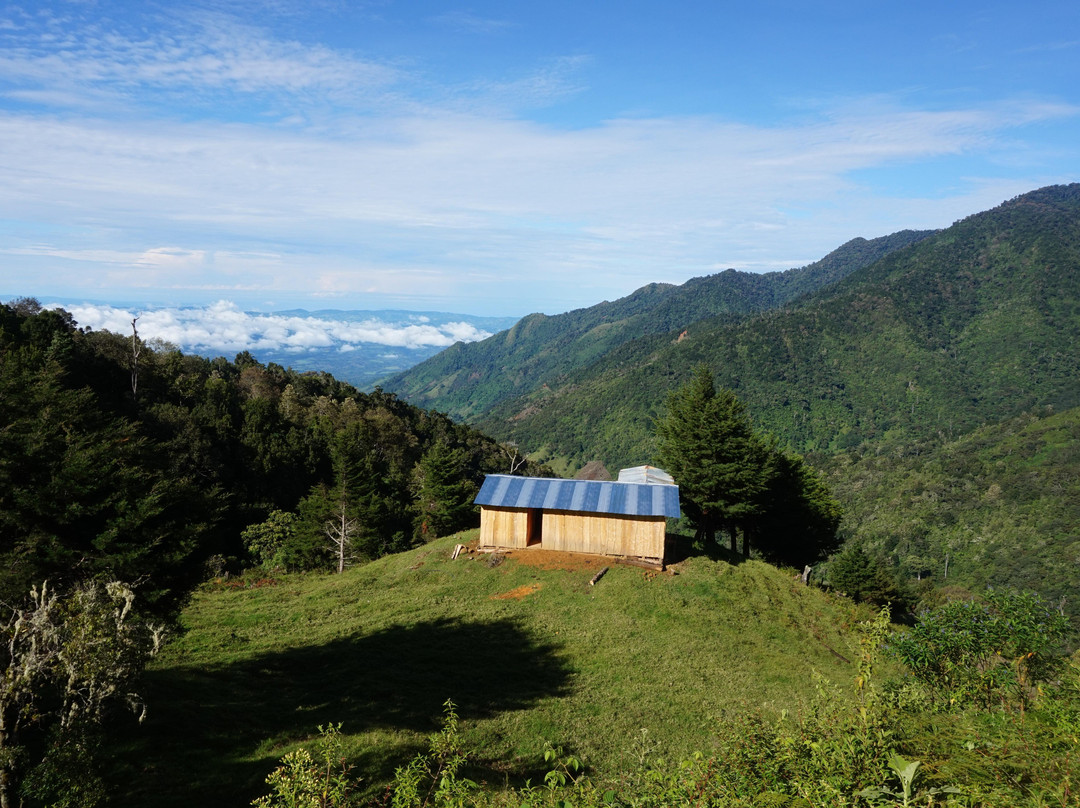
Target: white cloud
<point>465,175</point>
<point>171,258</point>
<point>224,327</point>
<point>551,82</point>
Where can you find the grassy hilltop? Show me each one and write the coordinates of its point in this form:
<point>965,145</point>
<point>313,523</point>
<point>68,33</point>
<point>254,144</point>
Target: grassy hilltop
<point>529,654</point>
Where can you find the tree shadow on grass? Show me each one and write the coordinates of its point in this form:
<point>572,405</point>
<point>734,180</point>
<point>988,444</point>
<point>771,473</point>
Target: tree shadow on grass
<point>205,720</point>
<point>680,547</point>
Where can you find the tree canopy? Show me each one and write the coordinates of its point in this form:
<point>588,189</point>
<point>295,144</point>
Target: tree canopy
<point>708,446</point>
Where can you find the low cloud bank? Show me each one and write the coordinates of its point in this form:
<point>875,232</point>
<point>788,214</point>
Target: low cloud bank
<point>226,329</point>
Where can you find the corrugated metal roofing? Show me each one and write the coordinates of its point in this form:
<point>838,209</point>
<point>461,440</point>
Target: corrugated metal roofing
<point>645,474</point>
<point>589,496</point>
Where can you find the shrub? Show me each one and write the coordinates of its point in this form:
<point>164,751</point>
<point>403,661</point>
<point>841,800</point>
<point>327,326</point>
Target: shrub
<point>268,542</point>
<point>67,658</point>
<point>987,652</point>
<point>301,781</point>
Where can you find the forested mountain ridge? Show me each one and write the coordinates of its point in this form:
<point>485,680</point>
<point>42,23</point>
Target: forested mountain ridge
<point>972,325</point>
<point>465,380</point>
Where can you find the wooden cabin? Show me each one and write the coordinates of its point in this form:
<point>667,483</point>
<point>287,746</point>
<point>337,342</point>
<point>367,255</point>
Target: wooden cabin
<point>621,519</point>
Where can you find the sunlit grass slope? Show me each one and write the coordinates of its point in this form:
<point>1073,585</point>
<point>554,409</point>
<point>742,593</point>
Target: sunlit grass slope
<point>383,646</point>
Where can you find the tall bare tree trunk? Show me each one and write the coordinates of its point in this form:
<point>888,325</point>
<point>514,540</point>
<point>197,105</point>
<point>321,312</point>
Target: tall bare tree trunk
<point>340,531</point>
<point>136,349</point>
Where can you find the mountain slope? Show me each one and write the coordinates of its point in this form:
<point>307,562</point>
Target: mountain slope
<point>970,326</point>
<point>468,379</point>
<point>998,507</point>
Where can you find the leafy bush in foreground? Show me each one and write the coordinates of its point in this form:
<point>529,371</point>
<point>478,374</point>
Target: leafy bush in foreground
<point>67,659</point>
<point>985,652</point>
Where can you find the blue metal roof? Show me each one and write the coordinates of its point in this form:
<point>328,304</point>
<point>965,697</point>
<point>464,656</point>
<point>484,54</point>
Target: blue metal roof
<point>588,496</point>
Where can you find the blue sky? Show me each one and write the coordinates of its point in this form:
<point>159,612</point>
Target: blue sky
<point>503,158</point>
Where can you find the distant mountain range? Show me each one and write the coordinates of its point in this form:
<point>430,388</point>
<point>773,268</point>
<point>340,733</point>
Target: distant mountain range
<point>468,380</point>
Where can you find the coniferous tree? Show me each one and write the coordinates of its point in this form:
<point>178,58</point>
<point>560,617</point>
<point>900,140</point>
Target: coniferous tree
<point>444,494</point>
<point>732,480</point>
<point>721,467</point>
<point>307,548</point>
<point>800,518</point>
<point>95,486</point>
<point>329,521</point>
<point>84,495</point>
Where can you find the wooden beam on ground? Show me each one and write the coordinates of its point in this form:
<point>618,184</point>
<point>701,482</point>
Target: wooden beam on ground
<point>647,563</point>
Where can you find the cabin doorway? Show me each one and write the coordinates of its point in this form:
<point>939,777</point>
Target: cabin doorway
<point>534,530</point>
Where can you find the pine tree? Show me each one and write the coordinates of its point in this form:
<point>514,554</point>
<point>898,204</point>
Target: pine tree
<point>721,467</point>
<point>800,518</point>
<point>444,494</point>
<point>83,494</point>
<point>328,513</point>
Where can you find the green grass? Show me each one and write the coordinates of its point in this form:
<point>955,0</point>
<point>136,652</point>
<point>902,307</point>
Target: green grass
<point>383,646</point>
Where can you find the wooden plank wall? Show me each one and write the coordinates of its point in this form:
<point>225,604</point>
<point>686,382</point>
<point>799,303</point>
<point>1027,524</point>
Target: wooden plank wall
<point>503,527</point>
<point>604,534</point>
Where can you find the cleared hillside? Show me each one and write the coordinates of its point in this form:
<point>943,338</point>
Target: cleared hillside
<point>530,654</point>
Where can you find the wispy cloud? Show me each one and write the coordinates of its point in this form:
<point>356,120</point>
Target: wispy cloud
<point>224,327</point>
<point>455,171</point>
<point>1067,44</point>
<point>554,81</point>
<point>467,21</point>
<point>443,203</point>
<point>197,53</point>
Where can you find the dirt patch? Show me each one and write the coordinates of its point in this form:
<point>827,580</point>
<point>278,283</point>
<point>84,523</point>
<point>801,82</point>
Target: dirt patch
<point>551,559</point>
<point>519,593</point>
<point>556,560</point>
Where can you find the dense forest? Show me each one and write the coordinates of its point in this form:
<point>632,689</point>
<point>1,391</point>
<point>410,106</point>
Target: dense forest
<point>973,325</point>
<point>124,460</point>
<point>998,507</point>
